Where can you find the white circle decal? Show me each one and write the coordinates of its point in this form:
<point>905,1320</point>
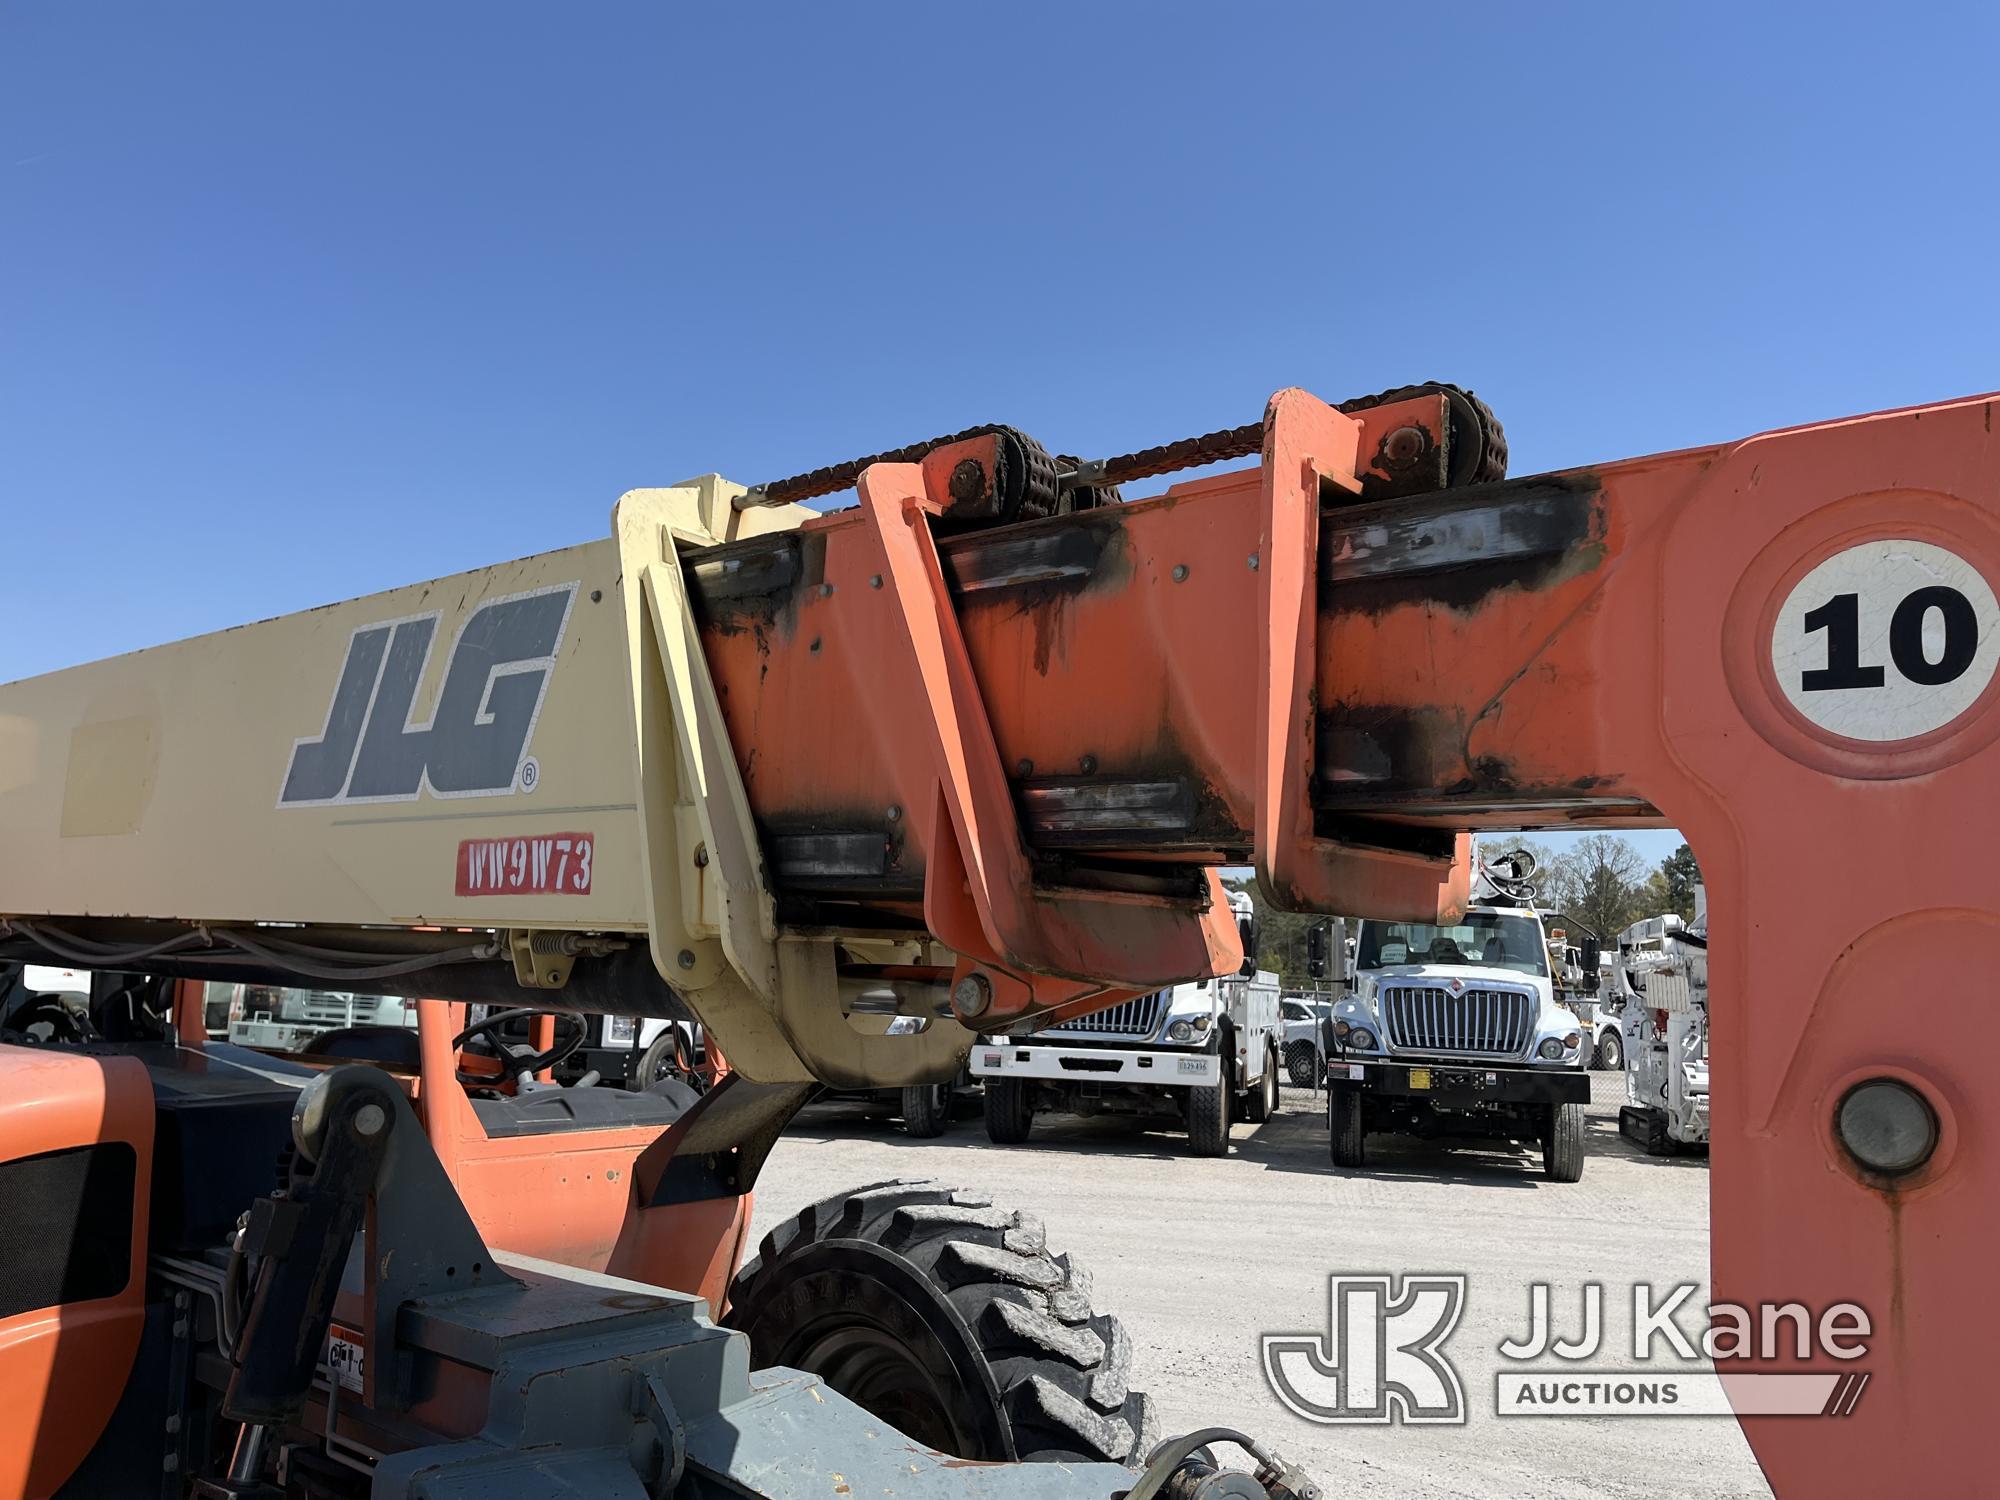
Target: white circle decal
<point>1887,640</point>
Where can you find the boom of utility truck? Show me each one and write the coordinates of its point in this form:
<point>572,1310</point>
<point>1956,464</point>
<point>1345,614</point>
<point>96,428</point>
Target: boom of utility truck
<point>855,787</point>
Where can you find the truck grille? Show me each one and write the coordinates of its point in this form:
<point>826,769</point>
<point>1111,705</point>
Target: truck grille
<point>1140,1017</point>
<point>1493,1023</point>
<point>327,1008</point>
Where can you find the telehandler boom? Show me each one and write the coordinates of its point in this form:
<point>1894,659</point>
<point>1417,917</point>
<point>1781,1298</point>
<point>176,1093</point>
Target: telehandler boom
<point>854,787</point>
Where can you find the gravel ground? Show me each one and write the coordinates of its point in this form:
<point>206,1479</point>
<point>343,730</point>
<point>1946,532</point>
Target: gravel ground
<point>1200,1257</point>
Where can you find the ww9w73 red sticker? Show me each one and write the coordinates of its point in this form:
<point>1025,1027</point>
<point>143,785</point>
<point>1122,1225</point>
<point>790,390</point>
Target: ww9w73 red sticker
<point>551,864</point>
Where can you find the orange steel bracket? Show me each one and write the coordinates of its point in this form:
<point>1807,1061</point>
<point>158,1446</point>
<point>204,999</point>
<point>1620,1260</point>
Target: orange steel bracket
<point>980,895</point>
<point>1308,446</point>
<point>1598,648</point>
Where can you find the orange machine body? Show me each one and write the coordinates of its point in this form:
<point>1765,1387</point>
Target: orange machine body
<point>76,1151</point>
<point>605,1181</point>
<point>1336,688</point>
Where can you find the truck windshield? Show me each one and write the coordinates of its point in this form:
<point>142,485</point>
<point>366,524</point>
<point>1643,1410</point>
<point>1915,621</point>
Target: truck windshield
<point>1484,938</point>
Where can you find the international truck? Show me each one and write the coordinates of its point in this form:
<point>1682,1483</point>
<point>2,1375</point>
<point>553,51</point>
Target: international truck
<point>1206,1052</point>
<point>1455,1029</point>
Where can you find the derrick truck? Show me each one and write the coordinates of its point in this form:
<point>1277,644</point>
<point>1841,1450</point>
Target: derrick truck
<point>975,749</point>
<point>1662,969</point>
<point>1456,1028</point>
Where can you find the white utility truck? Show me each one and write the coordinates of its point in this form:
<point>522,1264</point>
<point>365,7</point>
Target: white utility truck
<point>1455,1029</point>
<point>1203,1051</point>
<point>1663,973</point>
<point>290,1020</point>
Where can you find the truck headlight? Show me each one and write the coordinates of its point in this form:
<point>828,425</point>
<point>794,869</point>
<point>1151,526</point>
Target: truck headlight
<point>1551,1048</point>
<point>1361,1039</point>
<point>1180,1031</point>
<point>619,1030</point>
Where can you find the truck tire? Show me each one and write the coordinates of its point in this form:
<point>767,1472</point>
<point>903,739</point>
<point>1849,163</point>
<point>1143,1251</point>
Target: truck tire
<point>1344,1126</point>
<point>1302,1063</point>
<point>1010,1111</point>
<point>1262,1102</point>
<point>927,1108</point>
<point>1610,1054</point>
<point>948,1319</point>
<point>1562,1147</point>
<point>668,1055</point>
<point>1208,1117</point>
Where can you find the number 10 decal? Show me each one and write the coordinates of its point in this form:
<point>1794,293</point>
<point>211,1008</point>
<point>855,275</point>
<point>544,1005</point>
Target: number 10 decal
<point>1887,640</point>
<point>1840,618</point>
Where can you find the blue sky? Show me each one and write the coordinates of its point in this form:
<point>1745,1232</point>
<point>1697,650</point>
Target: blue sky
<point>301,302</point>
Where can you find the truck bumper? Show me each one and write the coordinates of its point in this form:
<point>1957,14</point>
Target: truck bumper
<point>1459,1085</point>
<point>1159,1069</point>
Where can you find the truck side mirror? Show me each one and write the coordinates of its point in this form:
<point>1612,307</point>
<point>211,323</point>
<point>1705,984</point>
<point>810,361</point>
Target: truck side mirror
<point>1316,951</point>
<point>1246,928</point>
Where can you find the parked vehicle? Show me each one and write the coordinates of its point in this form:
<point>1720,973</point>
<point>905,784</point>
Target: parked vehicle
<point>1663,968</point>
<point>276,1019</point>
<point>1454,1029</point>
<point>1305,1015</point>
<point>1605,1019</point>
<point>1204,1051</point>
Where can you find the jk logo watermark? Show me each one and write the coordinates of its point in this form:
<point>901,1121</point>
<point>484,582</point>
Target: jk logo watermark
<point>1381,1356</point>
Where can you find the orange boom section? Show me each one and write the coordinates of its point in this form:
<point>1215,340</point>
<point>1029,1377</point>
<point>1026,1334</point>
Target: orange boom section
<point>1037,740</point>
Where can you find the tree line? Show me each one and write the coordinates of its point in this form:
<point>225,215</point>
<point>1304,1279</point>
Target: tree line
<point>1602,881</point>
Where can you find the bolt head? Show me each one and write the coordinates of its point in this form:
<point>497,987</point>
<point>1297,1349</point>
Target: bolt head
<point>369,1120</point>
<point>685,958</point>
<point>1253,562</point>
<point>1180,572</point>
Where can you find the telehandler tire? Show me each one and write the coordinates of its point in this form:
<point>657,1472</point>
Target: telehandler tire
<point>1349,1137</point>
<point>1562,1147</point>
<point>927,1109</point>
<point>1010,1111</point>
<point>1208,1117</point>
<point>948,1319</point>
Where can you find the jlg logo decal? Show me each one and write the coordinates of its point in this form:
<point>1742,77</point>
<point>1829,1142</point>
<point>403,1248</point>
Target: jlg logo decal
<point>545,864</point>
<point>476,741</point>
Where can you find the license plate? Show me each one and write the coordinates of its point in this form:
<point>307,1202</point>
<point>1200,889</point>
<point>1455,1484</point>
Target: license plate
<point>1194,1064</point>
<point>1420,1078</point>
<point>344,1359</point>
